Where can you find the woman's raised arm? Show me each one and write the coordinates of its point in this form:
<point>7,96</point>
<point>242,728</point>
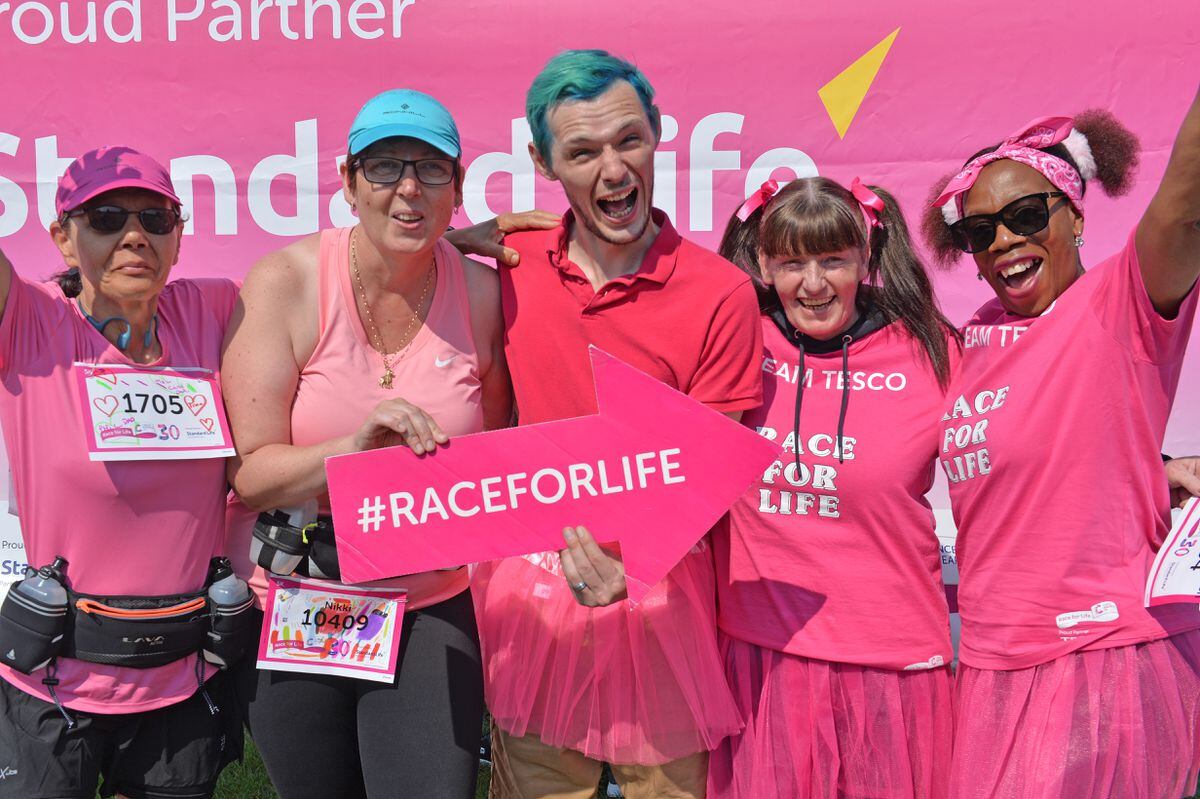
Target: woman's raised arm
<point>1168,237</point>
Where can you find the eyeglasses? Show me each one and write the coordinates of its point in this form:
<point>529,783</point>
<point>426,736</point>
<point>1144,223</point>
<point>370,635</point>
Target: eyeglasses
<point>1024,216</point>
<point>110,219</point>
<point>429,171</point>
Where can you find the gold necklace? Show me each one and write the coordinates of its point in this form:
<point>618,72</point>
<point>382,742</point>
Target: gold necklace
<point>376,338</point>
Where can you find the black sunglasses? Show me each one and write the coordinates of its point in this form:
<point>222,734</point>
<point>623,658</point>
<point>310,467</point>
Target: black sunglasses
<point>111,219</point>
<point>383,169</point>
<point>1024,216</point>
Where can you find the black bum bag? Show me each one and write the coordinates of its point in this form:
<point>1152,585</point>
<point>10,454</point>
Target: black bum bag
<point>137,631</point>
<point>131,631</point>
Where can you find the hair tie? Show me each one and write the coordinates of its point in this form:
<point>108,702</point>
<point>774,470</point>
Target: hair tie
<point>758,199</point>
<point>869,203</point>
<point>1081,150</point>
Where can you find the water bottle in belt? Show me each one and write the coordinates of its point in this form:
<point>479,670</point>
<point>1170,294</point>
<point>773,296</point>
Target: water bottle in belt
<point>33,618</point>
<point>229,602</point>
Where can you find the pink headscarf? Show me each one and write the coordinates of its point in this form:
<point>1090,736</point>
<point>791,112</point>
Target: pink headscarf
<point>1026,147</point>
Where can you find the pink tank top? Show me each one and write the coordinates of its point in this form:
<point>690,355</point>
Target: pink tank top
<point>339,386</point>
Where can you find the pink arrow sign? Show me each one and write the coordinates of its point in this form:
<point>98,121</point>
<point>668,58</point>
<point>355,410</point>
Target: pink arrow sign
<point>653,471</point>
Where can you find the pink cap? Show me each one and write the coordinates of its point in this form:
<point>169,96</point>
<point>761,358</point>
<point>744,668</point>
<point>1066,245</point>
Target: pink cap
<point>107,168</point>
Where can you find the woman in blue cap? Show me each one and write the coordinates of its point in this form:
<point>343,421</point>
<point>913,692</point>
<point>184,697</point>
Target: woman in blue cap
<point>353,339</point>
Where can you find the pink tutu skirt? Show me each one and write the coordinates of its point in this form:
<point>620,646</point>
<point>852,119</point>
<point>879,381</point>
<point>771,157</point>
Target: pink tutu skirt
<point>630,685</point>
<point>1117,723</point>
<point>822,730</point>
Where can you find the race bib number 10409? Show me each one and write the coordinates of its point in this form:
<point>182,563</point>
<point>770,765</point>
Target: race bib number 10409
<point>321,627</point>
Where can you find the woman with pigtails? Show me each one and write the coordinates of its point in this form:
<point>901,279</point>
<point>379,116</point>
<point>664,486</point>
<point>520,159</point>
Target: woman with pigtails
<point>1068,686</point>
<point>833,621</point>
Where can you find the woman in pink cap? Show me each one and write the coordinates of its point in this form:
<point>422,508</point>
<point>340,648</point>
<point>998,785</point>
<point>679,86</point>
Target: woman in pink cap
<point>354,339</point>
<point>832,616</point>
<point>102,677</point>
<point>1068,686</point>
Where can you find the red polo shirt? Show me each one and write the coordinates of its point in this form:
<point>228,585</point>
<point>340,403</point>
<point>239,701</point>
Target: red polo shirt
<point>686,317</point>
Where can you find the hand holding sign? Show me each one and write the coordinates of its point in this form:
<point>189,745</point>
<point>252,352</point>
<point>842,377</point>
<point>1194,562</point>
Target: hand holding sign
<point>596,577</point>
<point>398,421</point>
<point>653,467</point>
<point>1175,575</point>
<point>1183,477</point>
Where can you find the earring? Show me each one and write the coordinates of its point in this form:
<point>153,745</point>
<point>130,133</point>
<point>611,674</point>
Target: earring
<point>1079,241</point>
<point>979,276</point>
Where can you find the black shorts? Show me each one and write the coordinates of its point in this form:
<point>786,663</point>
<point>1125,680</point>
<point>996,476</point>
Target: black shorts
<point>173,752</point>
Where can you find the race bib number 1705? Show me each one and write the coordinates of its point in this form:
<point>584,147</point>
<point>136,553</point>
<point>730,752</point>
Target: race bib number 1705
<point>135,414</point>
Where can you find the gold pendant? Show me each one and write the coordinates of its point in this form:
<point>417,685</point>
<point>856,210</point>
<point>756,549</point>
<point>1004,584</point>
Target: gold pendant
<point>386,380</point>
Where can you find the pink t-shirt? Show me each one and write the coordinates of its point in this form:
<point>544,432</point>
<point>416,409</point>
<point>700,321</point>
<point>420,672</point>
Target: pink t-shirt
<point>839,561</point>
<point>126,528</point>
<point>1051,442</point>
<point>339,387</point>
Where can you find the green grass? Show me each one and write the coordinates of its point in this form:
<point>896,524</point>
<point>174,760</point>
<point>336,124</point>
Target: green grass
<point>248,779</point>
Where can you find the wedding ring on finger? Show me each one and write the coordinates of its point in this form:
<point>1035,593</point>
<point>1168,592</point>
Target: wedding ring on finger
<point>579,586</point>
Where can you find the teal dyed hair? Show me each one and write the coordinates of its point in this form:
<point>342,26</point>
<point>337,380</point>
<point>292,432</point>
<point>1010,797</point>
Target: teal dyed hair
<point>580,75</point>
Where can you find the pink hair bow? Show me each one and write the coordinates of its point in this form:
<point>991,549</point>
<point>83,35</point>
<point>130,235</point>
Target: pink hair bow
<point>758,199</point>
<point>869,202</point>
<point>1025,147</point>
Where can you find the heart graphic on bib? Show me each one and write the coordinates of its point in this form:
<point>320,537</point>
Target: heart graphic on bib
<point>107,404</point>
<point>107,375</point>
<point>207,424</point>
<point>195,404</point>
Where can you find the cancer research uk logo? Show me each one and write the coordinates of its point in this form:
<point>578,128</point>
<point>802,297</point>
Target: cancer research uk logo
<point>1101,611</point>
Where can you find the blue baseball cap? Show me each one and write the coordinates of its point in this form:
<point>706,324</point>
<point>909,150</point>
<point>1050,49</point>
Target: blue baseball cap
<point>405,112</point>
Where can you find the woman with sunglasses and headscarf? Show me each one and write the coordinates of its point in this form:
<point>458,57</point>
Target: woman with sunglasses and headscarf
<point>122,695</point>
<point>354,339</point>
<point>1068,686</point>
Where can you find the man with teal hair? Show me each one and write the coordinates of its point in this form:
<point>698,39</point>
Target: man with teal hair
<point>581,75</point>
<point>576,675</point>
<point>579,89</point>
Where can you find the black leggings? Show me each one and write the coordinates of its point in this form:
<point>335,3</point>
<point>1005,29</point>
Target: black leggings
<point>324,736</point>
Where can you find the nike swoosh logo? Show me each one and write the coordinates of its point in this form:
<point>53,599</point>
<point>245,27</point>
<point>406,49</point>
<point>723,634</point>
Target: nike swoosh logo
<point>441,363</point>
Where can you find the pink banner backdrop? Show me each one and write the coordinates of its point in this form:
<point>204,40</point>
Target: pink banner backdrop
<point>250,101</point>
